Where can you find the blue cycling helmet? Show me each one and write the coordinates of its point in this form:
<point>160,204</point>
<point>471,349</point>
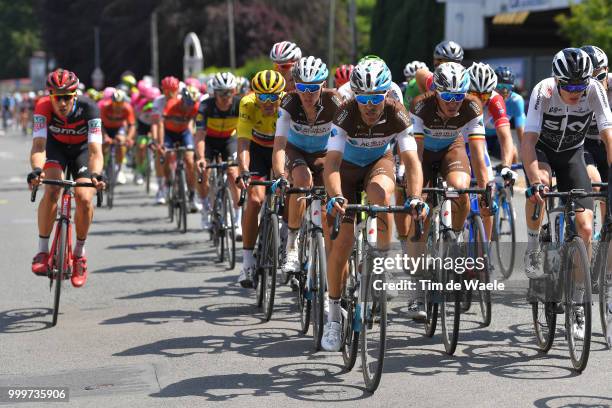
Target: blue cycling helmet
<point>371,75</point>
<point>310,70</point>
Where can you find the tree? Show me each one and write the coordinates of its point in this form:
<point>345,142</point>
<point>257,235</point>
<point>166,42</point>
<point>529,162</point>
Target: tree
<point>19,37</point>
<point>588,24</point>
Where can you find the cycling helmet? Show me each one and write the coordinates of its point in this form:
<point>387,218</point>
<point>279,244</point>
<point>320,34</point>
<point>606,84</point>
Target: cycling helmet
<point>412,67</point>
<point>62,81</point>
<point>285,51</point>
<point>192,82</point>
<point>119,96</point>
<point>108,92</point>
<point>129,80</point>
<point>371,76</point>
<point>343,74</point>
<point>599,59</point>
<point>451,77</point>
<point>243,86</point>
<point>504,75</point>
<point>170,84</point>
<point>151,93</point>
<point>190,95</point>
<point>482,77</point>
<point>310,70</point>
<point>572,65</point>
<point>449,50</point>
<point>223,81</point>
<point>370,57</point>
<point>268,81</point>
<point>142,85</point>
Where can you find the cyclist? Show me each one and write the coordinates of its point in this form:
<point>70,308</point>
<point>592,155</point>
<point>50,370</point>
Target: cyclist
<point>446,51</point>
<point>243,86</point>
<point>117,114</point>
<point>515,104</point>
<point>359,157</point>
<point>216,125</point>
<point>67,137</point>
<point>439,118</point>
<point>145,113</point>
<point>256,130</point>
<point>342,75</point>
<point>170,87</point>
<point>302,130</point>
<point>561,109</point>
<point>346,92</point>
<point>179,115</point>
<point>284,54</point>
<point>410,88</point>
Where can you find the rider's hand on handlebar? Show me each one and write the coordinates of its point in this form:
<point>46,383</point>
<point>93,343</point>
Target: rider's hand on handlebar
<point>533,193</point>
<point>278,184</point>
<point>35,177</point>
<point>98,180</point>
<point>510,176</point>
<point>336,204</point>
<point>243,180</point>
<point>201,164</point>
<point>414,203</point>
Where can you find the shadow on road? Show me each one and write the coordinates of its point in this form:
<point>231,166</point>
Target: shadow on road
<point>25,320</point>
<point>582,401</point>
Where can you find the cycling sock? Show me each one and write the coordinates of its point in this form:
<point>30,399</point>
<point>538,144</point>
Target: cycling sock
<point>43,244</point>
<point>335,314</point>
<point>292,238</point>
<point>160,182</point>
<point>247,257</point>
<point>533,239</point>
<point>404,244</point>
<point>204,202</point>
<point>238,216</point>
<point>79,248</point>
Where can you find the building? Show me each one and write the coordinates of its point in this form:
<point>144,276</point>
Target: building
<point>521,34</point>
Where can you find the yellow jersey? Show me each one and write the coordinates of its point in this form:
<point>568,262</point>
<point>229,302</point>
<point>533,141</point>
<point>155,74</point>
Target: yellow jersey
<point>253,125</point>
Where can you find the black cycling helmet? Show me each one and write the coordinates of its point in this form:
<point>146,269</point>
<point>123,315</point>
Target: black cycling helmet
<point>597,55</point>
<point>504,75</point>
<point>572,65</point>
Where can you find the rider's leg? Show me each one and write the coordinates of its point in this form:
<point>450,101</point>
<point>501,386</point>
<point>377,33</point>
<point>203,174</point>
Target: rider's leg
<point>47,209</point>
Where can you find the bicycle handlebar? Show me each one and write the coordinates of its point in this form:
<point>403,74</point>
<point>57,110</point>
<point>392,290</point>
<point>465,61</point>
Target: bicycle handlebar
<point>572,195</point>
<point>68,184</point>
<point>370,209</point>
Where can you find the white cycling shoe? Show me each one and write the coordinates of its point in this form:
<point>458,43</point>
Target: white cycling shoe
<point>332,336</point>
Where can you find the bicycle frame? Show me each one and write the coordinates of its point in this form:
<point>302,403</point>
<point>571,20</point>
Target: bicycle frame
<point>63,218</point>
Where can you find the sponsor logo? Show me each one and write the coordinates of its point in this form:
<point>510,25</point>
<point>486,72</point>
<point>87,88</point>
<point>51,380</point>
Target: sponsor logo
<point>341,117</point>
<point>95,126</point>
<point>554,109</point>
<point>64,131</point>
<point>334,132</point>
<point>404,118</point>
<point>40,122</point>
<point>83,169</point>
<point>78,111</point>
<point>539,97</point>
<point>311,130</point>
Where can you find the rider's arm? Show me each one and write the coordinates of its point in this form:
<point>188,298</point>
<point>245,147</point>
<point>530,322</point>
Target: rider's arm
<point>475,132</point>
<point>497,109</point>
<point>333,160</point>
<point>598,101</point>
<point>94,140</point>
<point>421,79</point>
<point>519,118</point>
<point>280,142</point>
<point>200,133</point>
<point>245,133</point>
<point>39,141</point>
<point>131,122</point>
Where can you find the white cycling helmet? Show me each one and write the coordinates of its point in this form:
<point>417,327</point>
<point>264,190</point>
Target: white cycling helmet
<point>412,67</point>
<point>285,51</point>
<point>371,76</point>
<point>449,50</point>
<point>482,77</point>
<point>310,70</point>
<point>223,81</point>
<point>451,77</point>
<point>572,65</point>
<point>598,56</point>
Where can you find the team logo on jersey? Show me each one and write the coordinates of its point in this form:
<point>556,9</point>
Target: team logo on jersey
<point>95,127</point>
<point>40,122</point>
<point>342,115</point>
<point>334,132</point>
<point>403,116</point>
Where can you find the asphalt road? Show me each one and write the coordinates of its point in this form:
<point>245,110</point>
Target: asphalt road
<point>159,324</point>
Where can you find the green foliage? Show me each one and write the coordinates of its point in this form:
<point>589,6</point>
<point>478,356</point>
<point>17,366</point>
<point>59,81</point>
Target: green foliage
<point>19,37</point>
<point>248,70</point>
<point>588,24</point>
<point>363,23</point>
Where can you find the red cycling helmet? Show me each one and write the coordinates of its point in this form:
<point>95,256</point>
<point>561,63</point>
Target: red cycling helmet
<point>343,74</point>
<point>170,84</point>
<point>62,81</point>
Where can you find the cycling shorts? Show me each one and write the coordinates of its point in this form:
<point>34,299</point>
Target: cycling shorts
<point>184,138</point>
<point>453,158</point>
<point>570,170</point>
<point>73,159</point>
<point>595,155</point>
<point>225,147</point>
<point>112,132</point>
<point>142,129</point>
<point>314,161</point>
<point>261,161</point>
<point>487,161</point>
<point>353,178</point>
<point>493,146</point>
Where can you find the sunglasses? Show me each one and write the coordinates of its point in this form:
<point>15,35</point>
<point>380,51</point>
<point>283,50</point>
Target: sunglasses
<point>374,99</point>
<point>63,97</point>
<point>484,96</point>
<point>507,87</point>
<point>223,94</point>
<point>574,88</point>
<point>308,87</point>
<point>601,76</point>
<point>267,97</point>
<point>451,96</point>
<point>284,67</point>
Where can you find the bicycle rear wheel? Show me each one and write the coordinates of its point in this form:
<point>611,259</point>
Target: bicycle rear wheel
<point>577,290</point>
<point>374,326</point>
<point>350,321</point>
<point>271,266</point>
<point>59,269</point>
<point>504,237</point>
<point>318,274</point>
<point>604,274</point>
<point>450,306</point>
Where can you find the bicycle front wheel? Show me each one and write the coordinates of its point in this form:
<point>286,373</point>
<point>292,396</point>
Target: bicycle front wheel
<point>450,306</point>
<point>110,175</point>
<point>604,274</point>
<point>351,317</point>
<point>304,292</point>
<point>181,216</point>
<point>318,273</point>
<point>59,269</point>
<point>432,295</point>
<point>229,230</point>
<point>271,266</point>
<point>481,253</point>
<point>577,287</point>
<point>374,325</point>
<point>504,237</point>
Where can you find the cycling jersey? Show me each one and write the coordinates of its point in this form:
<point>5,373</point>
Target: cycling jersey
<point>593,132</point>
<point>563,127</point>
<point>394,92</point>
<point>253,125</point>
<point>82,125</point>
<point>177,116</point>
<point>293,123</point>
<point>495,114</point>
<point>515,109</point>
<point>412,90</point>
<point>145,113</point>
<point>218,124</point>
<point>362,145</point>
<point>115,117</point>
<point>159,104</point>
<point>439,133</point>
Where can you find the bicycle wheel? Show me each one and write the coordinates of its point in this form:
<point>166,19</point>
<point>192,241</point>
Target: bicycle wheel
<point>504,237</point>
<point>271,266</point>
<point>318,274</point>
<point>148,162</point>
<point>350,318</point>
<point>604,275</point>
<point>304,292</point>
<point>217,226</point>
<point>374,326</point>
<point>229,230</point>
<point>111,177</point>
<point>432,296</point>
<point>181,216</point>
<point>480,251</point>
<point>577,288</point>
<point>60,269</point>
<point>450,306</point>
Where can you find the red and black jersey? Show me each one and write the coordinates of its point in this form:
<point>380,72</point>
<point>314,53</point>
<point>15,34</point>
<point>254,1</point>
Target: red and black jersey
<point>82,124</point>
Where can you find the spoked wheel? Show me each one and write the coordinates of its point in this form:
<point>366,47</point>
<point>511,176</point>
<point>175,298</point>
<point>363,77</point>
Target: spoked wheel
<point>350,320</point>
<point>578,303</point>
<point>111,177</point>
<point>604,274</point>
<point>181,208</point>
<point>432,296</point>
<point>217,227</point>
<point>481,252</point>
<point>229,231</point>
<point>148,163</point>
<point>545,323</point>
<point>450,306</point>
<point>504,237</point>
<point>304,293</point>
<point>59,270</point>
<point>373,327</point>
<point>270,267</point>
<point>171,200</point>
<point>318,274</point>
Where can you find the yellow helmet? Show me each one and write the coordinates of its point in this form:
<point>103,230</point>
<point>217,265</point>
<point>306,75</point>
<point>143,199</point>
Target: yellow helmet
<point>268,81</point>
